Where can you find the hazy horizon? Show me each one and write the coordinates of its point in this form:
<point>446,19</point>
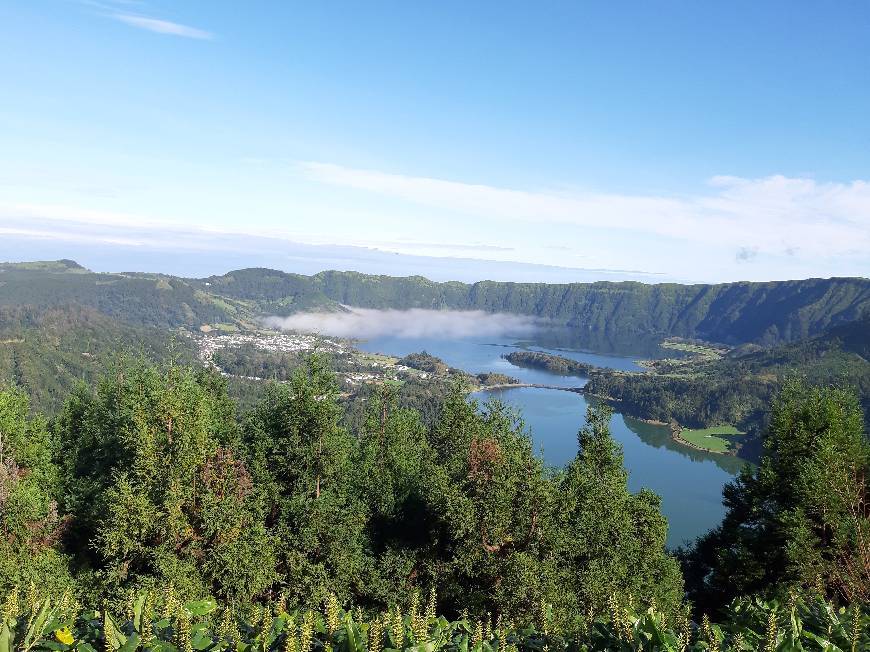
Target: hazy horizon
<point>449,270</point>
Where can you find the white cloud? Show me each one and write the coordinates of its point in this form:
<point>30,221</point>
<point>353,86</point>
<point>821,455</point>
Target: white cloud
<point>62,219</point>
<point>365,323</point>
<point>163,26</point>
<point>774,214</point>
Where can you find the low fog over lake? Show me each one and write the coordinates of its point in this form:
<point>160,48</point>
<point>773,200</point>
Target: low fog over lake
<point>365,323</point>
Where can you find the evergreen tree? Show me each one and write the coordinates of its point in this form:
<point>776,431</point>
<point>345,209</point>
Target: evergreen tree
<point>30,525</point>
<point>801,519</point>
<point>300,462</point>
<point>159,494</point>
<point>392,466</point>
<point>493,500</point>
<point>611,542</point>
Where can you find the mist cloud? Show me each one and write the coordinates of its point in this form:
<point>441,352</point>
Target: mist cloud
<point>365,323</point>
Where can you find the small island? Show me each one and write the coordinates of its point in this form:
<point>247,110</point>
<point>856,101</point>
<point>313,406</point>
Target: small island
<point>435,366</point>
<point>495,379</point>
<point>554,364</point>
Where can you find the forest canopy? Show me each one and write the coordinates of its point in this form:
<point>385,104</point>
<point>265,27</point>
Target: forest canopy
<point>148,479</point>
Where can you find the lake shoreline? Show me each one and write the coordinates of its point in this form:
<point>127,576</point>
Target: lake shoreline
<point>674,427</point>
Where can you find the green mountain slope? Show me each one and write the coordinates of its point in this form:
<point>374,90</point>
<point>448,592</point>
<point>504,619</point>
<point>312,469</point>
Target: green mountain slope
<point>763,313</point>
<point>141,299</point>
<point>45,352</point>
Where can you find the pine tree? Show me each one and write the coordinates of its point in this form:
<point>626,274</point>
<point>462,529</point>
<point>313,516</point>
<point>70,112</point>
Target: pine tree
<point>800,520</point>
<point>611,542</point>
<point>159,494</point>
<point>30,524</point>
<point>300,461</point>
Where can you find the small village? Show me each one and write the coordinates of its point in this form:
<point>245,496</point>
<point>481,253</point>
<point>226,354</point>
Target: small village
<point>367,367</point>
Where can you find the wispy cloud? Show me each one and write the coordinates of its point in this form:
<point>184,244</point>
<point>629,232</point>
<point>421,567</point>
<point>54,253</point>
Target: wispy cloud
<point>770,215</point>
<point>162,26</point>
<point>135,13</point>
<point>190,249</point>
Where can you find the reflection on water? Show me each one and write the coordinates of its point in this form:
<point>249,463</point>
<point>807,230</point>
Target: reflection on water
<point>689,481</point>
<point>660,437</point>
<point>612,343</point>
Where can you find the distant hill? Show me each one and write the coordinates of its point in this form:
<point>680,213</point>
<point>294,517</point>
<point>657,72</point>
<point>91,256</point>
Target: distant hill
<point>139,299</point>
<point>767,314</point>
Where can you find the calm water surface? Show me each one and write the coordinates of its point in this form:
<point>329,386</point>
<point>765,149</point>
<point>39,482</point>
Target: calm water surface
<point>689,481</point>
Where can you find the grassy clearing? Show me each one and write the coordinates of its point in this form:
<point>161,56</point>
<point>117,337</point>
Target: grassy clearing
<point>226,328</point>
<point>378,358</point>
<point>718,439</point>
<point>699,351</point>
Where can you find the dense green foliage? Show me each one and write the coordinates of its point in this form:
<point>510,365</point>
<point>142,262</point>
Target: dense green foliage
<point>148,481</point>
<point>154,485</point>
<point>30,525</point>
<point>697,401</point>
<point>494,378</point>
<point>162,623</point>
<point>801,518</point>
<point>424,361</point>
<point>155,481</point>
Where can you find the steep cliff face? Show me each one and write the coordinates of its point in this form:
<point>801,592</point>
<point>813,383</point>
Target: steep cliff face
<point>764,313</point>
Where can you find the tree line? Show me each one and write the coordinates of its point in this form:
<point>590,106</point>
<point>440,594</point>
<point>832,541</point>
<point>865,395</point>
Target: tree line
<point>148,479</point>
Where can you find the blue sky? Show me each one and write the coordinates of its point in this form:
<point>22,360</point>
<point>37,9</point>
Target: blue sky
<point>668,140</point>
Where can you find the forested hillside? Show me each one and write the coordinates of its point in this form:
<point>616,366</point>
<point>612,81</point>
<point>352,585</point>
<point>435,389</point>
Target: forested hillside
<point>147,478</point>
<point>139,299</point>
<point>734,313</point>
<point>765,313</point>
<point>47,351</point>
<point>738,388</point>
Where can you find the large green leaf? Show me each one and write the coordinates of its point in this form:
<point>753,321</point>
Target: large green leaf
<point>201,607</point>
<point>139,613</point>
<point>131,644</point>
<point>34,630</point>
<point>5,639</point>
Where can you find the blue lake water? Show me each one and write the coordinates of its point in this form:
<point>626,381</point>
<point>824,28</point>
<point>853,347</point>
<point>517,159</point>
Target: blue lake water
<point>689,481</point>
